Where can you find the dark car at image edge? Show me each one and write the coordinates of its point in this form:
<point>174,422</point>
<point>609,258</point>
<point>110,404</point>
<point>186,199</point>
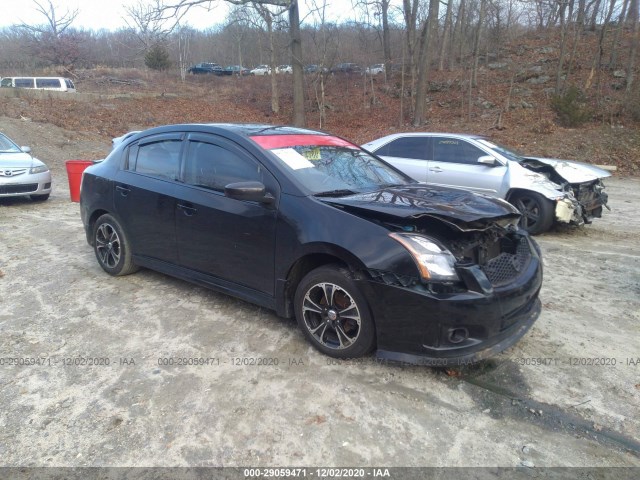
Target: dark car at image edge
<point>309,225</point>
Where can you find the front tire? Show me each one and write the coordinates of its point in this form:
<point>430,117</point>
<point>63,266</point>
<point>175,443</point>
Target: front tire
<point>537,211</point>
<point>111,247</point>
<point>333,314</point>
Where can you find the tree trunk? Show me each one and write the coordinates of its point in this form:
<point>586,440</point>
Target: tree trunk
<point>613,59</point>
<point>427,37</point>
<point>445,34</point>
<point>632,53</point>
<point>457,35</point>
<point>476,43</point>
<point>296,62</point>
<point>275,97</point>
<point>563,45</point>
<point>386,37</point>
<point>598,56</point>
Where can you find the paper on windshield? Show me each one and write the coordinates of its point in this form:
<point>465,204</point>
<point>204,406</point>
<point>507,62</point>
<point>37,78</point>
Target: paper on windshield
<point>292,158</point>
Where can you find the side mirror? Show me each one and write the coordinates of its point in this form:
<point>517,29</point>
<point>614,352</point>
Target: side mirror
<point>487,160</point>
<point>26,149</point>
<point>249,191</point>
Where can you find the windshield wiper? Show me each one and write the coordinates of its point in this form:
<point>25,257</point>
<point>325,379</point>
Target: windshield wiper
<point>336,193</point>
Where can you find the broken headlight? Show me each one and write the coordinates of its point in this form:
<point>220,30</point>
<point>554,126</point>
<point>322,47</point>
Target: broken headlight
<point>434,262</point>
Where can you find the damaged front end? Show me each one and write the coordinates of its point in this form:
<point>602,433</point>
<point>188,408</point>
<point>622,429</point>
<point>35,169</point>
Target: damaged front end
<point>582,187</point>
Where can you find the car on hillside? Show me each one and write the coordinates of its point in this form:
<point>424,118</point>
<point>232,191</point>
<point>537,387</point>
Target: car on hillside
<point>376,69</point>
<point>310,225</point>
<point>56,84</point>
<point>284,69</point>
<point>237,70</point>
<point>261,70</point>
<point>205,68</point>
<point>315,69</point>
<point>544,190</point>
<point>21,174</point>
<point>347,68</point>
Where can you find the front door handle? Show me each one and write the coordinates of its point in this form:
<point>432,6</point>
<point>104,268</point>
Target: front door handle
<point>124,191</point>
<point>436,170</point>
<point>187,209</point>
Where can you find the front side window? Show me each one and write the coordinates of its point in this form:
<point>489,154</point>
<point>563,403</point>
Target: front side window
<point>159,159</point>
<point>455,150</point>
<point>6,82</point>
<point>212,166</point>
<point>418,148</point>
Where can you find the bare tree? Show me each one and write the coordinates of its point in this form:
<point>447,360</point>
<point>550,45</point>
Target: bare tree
<point>268,17</point>
<point>54,41</point>
<point>445,34</point>
<point>426,44</point>
<point>178,8</point>
<point>476,42</point>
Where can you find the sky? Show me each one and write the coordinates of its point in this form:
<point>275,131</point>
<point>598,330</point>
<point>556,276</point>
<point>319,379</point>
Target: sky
<point>109,14</point>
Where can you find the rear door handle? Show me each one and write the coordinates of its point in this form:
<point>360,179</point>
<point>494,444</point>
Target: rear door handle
<point>124,191</point>
<point>436,170</point>
<point>187,209</point>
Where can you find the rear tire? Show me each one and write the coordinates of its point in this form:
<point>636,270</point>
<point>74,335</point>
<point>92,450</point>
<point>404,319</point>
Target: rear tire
<point>333,314</point>
<point>537,211</point>
<point>111,247</point>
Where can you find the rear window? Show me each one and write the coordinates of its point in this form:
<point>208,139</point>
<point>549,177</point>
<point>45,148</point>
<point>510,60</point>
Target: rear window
<point>159,159</point>
<point>47,83</point>
<point>23,82</point>
<point>418,148</point>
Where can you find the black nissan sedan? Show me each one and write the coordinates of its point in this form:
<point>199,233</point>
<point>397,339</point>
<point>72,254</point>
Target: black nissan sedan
<point>314,227</point>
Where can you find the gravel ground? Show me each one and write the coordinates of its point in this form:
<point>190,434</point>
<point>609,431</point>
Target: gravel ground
<point>568,394</point>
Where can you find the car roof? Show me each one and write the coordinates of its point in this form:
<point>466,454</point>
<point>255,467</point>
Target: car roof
<point>241,129</point>
<point>386,139</point>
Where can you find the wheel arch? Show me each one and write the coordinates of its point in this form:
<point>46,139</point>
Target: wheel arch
<point>95,215</point>
<point>313,257</point>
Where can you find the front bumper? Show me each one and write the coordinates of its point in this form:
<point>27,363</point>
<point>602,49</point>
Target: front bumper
<point>25,184</point>
<point>584,202</point>
<point>448,329</point>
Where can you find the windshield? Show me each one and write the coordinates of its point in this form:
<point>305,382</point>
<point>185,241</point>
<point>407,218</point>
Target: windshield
<point>340,168</point>
<point>7,146</point>
<point>505,152</point>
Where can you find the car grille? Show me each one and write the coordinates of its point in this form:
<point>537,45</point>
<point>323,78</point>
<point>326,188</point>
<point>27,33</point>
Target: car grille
<point>12,172</point>
<point>26,188</point>
<point>502,269</point>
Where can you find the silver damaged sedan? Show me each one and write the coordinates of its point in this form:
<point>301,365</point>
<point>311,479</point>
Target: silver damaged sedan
<point>544,190</point>
<point>22,174</point>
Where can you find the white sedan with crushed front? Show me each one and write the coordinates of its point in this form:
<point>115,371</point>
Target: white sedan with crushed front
<point>544,190</point>
<point>22,174</point>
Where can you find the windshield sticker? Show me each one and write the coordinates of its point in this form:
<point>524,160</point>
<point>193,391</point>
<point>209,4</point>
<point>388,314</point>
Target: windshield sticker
<point>292,158</point>
<point>313,154</point>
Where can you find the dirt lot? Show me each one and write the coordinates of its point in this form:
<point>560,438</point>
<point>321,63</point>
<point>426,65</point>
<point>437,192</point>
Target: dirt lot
<point>548,401</point>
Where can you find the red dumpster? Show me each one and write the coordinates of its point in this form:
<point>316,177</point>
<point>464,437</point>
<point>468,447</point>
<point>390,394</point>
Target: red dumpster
<point>74,173</point>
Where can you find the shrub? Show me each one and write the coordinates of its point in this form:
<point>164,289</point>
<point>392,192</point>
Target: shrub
<point>571,107</point>
<point>157,58</point>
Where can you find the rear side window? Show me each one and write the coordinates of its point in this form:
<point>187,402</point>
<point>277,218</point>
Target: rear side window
<point>212,166</point>
<point>23,82</point>
<point>408,147</point>
<point>454,150</point>
<point>69,84</point>
<point>6,82</point>
<point>159,159</point>
<point>47,83</point>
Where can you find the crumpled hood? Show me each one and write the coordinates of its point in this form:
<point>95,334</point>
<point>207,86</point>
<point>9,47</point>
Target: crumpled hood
<point>460,208</point>
<point>573,172</point>
<point>17,160</point>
